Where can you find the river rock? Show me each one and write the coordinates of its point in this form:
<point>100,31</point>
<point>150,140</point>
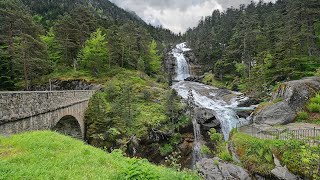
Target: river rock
<point>216,169</point>
<point>287,101</point>
<point>194,78</point>
<point>206,118</point>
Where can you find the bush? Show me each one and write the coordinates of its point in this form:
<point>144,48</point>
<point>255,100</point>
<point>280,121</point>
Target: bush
<point>214,136</point>
<point>205,150</point>
<point>302,116</point>
<point>314,107</point>
<point>316,99</point>
<point>226,156</point>
<point>166,149</point>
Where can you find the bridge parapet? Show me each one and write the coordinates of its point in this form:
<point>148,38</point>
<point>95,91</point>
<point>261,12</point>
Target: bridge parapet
<point>23,104</point>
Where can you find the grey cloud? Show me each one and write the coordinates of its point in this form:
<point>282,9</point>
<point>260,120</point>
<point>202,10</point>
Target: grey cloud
<point>176,15</point>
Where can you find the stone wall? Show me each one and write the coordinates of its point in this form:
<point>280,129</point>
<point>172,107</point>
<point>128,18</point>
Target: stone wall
<point>20,105</point>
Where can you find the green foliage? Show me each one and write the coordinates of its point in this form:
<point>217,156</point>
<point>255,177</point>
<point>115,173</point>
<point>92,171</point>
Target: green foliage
<point>94,55</point>
<point>257,45</point>
<point>205,150</point>
<point>314,107</point>
<point>166,149</point>
<point>134,105</point>
<point>211,80</point>
<point>214,136</point>
<point>153,62</point>
<point>316,99</point>
<point>302,116</point>
<point>51,36</point>
<point>257,155</point>
<point>24,157</point>
<point>226,156</point>
<point>53,47</point>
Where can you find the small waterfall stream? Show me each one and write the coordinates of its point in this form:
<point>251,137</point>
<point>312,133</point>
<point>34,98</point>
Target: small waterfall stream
<point>206,97</point>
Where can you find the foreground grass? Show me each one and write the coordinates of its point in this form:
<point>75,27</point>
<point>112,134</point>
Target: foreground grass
<point>257,155</point>
<point>49,155</point>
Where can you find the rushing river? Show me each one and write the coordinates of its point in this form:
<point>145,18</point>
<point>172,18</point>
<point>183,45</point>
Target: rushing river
<point>223,103</point>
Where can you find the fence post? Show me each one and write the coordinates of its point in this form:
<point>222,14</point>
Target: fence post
<point>314,135</point>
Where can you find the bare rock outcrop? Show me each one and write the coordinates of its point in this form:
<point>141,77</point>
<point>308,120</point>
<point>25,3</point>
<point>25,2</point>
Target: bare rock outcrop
<point>287,101</point>
<point>216,169</point>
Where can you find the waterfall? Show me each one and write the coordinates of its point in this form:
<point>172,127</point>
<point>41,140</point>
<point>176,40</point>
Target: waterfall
<point>207,97</point>
<point>182,68</point>
<point>182,72</point>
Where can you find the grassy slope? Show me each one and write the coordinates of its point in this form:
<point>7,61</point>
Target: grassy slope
<point>48,155</point>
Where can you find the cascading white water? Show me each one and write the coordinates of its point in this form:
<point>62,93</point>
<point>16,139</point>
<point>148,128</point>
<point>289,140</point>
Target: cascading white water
<point>182,72</point>
<point>207,96</point>
<point>196,153</point>
<point>182,68</point>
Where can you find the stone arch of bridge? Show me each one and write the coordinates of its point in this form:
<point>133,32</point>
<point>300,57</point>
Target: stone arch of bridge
<point>69,125</point>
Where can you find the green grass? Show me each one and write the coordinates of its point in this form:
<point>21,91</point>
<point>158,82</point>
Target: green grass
<point>49,155</point>
<point>256,155</point>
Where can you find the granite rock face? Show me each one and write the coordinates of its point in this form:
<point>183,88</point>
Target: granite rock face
<point>216,169</point>
<point>287,101</point>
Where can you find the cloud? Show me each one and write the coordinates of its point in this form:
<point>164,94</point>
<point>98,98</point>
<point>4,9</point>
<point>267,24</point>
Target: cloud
<point>176,15</point>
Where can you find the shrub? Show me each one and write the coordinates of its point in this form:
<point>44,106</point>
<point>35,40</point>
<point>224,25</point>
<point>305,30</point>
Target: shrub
<point>205,149</point>
<point>302,116</point>
<point>316,99</point>
<point>214,136</point>
<point>166,149</point>
<point>314,107</point>
<point>226,156</point>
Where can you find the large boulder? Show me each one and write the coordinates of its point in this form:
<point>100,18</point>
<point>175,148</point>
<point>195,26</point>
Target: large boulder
<point>290,98</point>
<point>216,169</point>
<point>206,118</point>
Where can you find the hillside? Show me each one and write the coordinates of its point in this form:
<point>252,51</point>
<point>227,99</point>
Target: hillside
<point>256,46</point>
<point>48,155</point>
<point>52,36</point>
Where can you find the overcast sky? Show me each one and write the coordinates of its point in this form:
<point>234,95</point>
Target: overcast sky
<point>177,15</point>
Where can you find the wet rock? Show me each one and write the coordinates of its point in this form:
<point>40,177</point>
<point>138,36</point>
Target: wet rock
<point>244,114</point>
<point>195,79</point>
<point>206,118</point>
<point>287,101</point>
<point>187,144</point>
<point>216,169</point>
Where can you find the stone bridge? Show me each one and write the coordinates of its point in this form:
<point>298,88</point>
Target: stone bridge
<point>62,111</point>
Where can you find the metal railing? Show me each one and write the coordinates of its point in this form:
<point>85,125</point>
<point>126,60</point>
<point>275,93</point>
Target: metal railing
<point>307,135</point>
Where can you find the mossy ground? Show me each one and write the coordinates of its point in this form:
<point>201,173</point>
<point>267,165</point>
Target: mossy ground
<point>49,155</point>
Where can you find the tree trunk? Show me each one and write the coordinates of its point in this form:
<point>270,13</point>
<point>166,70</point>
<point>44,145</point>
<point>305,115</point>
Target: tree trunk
<point>25,69</point>
<point>11,50</point>
<point>122,56</point>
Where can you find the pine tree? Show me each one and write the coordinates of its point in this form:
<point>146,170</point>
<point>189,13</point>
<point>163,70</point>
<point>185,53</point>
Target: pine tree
<point>94,55</point>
